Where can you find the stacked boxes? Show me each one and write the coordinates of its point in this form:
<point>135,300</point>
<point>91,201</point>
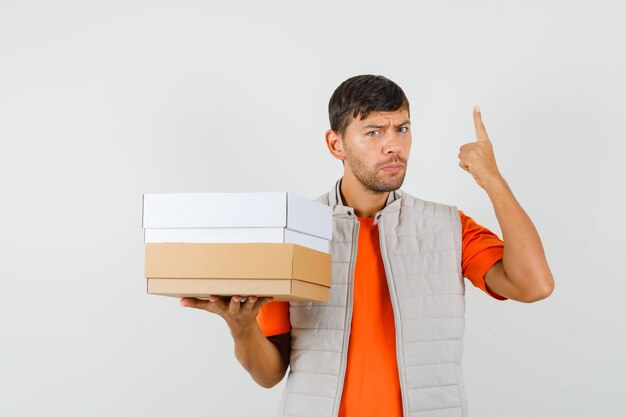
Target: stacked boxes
<point>265,244</point>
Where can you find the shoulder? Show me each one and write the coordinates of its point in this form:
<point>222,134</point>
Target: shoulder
<point>324,198</point>
<point>426,208</point>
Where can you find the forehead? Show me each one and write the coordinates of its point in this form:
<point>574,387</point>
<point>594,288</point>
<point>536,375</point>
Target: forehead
<point>395,117</point>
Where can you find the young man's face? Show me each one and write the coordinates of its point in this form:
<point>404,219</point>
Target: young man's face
<point>377,149</point>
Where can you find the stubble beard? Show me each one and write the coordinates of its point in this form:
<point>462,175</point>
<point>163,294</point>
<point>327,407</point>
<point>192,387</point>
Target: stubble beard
<point>372,179</point>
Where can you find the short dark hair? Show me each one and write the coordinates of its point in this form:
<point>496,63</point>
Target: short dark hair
<point>360,95</point>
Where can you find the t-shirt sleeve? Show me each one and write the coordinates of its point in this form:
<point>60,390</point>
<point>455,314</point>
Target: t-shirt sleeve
<point>273,318</point>
<point>481,250</point>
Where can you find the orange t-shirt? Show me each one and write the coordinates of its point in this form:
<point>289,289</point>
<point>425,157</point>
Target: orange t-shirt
<point>372,387</point>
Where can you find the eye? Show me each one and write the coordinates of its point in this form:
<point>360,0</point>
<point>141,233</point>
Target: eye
<point>403,129</point>
<point>373,133</point>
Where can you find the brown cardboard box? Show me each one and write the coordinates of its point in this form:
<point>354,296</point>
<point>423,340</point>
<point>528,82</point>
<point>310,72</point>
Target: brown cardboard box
<point>285,271</point>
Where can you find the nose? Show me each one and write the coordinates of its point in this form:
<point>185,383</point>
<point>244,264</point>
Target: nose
<point>392,144</point>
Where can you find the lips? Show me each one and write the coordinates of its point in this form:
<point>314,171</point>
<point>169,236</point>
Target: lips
<point>392,168</point>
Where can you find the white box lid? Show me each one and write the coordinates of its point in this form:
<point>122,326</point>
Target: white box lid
<point>256,209</point>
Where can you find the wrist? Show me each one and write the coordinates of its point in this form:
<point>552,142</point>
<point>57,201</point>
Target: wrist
<point>496,186</point>
<point>243,331</point>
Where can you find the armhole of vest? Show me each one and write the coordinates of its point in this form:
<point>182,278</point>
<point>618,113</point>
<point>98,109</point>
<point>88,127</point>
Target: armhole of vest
<point>457,232</point>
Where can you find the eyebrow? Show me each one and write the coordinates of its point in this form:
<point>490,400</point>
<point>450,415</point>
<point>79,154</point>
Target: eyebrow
<point>382,126</point>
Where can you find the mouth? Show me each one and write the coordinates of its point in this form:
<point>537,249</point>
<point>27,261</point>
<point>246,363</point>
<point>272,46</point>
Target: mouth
<point>392,168</point>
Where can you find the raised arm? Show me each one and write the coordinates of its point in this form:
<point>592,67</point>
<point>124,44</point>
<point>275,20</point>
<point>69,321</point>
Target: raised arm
<point>523,274</point>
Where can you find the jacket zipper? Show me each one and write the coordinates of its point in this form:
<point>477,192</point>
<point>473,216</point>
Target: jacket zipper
<point>396,313</point>
<point>348,319</point>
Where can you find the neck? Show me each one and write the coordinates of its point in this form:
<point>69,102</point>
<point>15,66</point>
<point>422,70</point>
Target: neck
<point>365,202</point>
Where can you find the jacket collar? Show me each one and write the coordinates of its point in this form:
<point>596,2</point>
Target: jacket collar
<point>336,202</point>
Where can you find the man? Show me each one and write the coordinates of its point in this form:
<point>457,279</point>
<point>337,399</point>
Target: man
<point>389,340</point>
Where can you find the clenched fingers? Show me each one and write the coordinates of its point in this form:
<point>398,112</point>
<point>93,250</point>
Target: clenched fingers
<point>475,151</point>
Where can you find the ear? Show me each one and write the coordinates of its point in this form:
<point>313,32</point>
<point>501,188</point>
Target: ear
<point>334,141</point>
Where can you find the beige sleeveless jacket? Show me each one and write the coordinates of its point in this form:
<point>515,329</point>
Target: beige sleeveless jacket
<point>420,244</point>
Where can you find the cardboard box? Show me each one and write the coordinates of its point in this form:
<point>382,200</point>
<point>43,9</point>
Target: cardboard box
<point>285,271</point>
<point>210,210</point>
<point>279,289</point>
<point>237,235</point>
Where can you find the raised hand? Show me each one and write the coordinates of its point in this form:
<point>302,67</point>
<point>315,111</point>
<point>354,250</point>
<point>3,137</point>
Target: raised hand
<point>477,157</point>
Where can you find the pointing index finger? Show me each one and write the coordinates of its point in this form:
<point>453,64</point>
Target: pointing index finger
<point>481,132</point>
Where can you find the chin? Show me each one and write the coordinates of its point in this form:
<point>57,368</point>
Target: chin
<point>387,186</point>
<point>396,181</point>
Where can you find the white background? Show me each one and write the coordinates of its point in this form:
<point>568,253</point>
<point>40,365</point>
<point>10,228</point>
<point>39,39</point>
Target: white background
<point>103,101</point>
